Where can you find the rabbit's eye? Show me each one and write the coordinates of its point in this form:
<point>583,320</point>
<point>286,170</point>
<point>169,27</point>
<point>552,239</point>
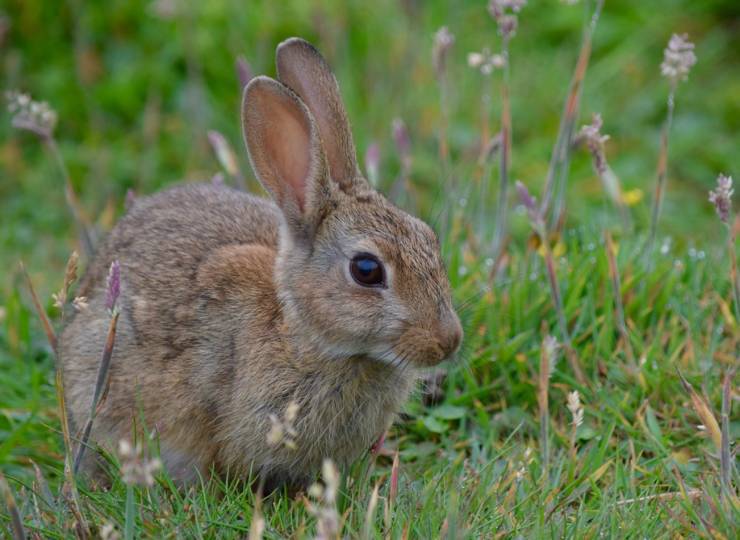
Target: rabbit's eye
<point>367,270</point>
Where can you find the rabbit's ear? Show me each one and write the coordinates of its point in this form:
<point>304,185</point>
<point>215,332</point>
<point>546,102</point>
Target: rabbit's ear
<point>285,151</point>
<point>301,67</point>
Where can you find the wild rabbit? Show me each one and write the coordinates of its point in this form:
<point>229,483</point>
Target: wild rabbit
<point>234,307</point>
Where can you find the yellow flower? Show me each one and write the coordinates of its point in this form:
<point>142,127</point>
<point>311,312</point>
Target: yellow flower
<point>632,197</point>
<point>558,250</point>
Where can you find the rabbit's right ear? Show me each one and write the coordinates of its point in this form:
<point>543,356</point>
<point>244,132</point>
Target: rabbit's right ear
<point>285,151</point>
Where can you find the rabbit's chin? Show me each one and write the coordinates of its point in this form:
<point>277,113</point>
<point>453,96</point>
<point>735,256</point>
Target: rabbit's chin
<point>416,358</point>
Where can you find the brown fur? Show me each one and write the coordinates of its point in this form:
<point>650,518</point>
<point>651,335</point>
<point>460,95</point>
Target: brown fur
<point>232,306</point>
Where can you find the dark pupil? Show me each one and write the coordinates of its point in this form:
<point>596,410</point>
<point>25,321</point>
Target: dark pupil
<point>366,270</point>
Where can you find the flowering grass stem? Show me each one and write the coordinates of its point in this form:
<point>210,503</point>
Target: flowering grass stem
<point>537,220</point>
<point>595,141</point>
<point>570,352</point>
<point>102,385</point>
<point>678,58</point>
<point>721,198</point>
<point>500,231</point>
<point>547,363</point>
<point>69,487</point>
<point>617,291</point>
<point>227,158</point>
<point>83,225</point>
<point>660,179</point>
<point>443,42</point>
<point>557,172</point>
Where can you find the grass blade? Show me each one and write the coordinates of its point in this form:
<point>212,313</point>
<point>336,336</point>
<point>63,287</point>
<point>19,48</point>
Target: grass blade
<point>19,533</point>
<point>705,413</point>
<point>48,328</point>
<point>727,464</point>
<point>130,517</point>
<point>370,514</point>
<point>617,291</point>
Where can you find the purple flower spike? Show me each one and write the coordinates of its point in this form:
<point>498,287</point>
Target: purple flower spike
<point>243,71</point>
<point>113,286</point>
<point>528,201</point>
<point>721,198</point>
<point>130,199</point>
<point>372,162</point>
<point>443,42</point>
<point>401,138</point>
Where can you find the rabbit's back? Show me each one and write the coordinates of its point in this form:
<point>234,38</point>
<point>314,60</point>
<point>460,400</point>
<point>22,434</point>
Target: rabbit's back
<point>162,244</point>
<point>164,237</point>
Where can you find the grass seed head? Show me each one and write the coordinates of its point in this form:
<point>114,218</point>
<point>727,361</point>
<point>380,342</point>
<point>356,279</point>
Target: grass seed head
<point>443,42</point>
<point>721,197</point>
<point>591,135</point>
<point>529,202</point>
<point>70,276</point>
<point>282,431</point>
<point>575,408</point>
<point>550,349</point>
<point>80,303</point>
<point>324,504</point>
<point>108,532</point>
<point>136,470</point>
<point>113,286</point>
<point>223,151</point>
<point>504,13</point>
<point>29,115</point>
<point>485,62</point>
<point>678,58</point>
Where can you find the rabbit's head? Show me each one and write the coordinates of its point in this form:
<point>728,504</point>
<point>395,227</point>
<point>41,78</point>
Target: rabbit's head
<point>356,276</point>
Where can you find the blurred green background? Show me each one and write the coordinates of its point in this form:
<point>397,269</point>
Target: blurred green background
<point>137,84</point>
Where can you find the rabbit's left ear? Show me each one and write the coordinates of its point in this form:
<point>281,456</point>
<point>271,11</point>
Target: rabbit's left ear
<point>286,154</point>
<point>302,68</point>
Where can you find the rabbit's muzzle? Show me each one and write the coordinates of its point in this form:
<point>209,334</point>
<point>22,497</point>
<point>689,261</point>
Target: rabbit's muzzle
<point>429,346</point>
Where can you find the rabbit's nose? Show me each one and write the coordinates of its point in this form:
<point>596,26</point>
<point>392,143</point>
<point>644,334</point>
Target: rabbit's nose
<point>450,333</point>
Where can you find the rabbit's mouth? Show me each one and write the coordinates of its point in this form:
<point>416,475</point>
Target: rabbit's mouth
<point>420,348</point>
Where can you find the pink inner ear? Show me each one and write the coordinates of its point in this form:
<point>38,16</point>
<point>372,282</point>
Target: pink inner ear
<point>288,144</point>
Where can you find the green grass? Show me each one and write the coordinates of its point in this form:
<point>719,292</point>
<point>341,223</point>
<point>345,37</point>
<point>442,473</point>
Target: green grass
<point>136,94</point>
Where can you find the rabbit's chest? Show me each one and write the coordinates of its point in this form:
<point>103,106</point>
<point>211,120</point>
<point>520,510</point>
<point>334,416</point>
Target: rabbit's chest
<point>345,418</point>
